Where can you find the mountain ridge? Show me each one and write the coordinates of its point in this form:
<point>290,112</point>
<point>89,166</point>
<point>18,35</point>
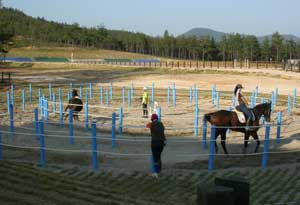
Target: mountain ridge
<point>217,35</point>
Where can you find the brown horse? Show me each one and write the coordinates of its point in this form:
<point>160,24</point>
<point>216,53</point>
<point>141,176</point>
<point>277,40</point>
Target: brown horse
<point>224,119</point>
<point>75,104</point>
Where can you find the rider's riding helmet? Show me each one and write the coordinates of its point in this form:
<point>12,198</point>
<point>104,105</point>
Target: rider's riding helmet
<point>154,117</point>
<point>239,86</point>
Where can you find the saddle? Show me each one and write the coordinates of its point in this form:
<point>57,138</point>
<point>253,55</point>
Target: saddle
<point>241,116</point>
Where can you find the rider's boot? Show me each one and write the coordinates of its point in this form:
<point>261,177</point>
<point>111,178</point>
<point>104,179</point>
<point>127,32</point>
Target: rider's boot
<point>247,128</point>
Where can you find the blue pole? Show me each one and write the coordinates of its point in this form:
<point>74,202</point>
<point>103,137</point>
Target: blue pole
<point>120,120</point>
<point>91,90</point>
<point>101,95</point>
<point>168,98</point>
<point>12,95</point>
<point>47,110</point>
<point>42,145</point>
<point>218,100</point>
<point>8,100</point>
<point>159,113</point>
<point>71,126</point>
<point>36,123</point>
<point>129,98</point>
<point>71,88</point>
<point>273,100</point>
<point>23,99</point>
<point>54,104</point>
<point>111,90</point>
<point>196,96</point>
<point>289,104</point>
<point>196,122</point>
<point>266,147</point>
<point>279,116</point>
<point>30,93</point>
<point>113,130</point>
<point>107,102</point>
<point>60,94</point>
<point>132,90</point>
<point>86,115</point>
<point>212,148</point>
<point>11,118</point>
<point>213,94</point>
<point>40,93</point>
<point>94,146</point>
<point>123,95</point>
<point>204,128</point>
<point>68,96</point>
<point>174,94</point>
<point>61,114</point>
<point>80,92</point>
<point>295,98</point>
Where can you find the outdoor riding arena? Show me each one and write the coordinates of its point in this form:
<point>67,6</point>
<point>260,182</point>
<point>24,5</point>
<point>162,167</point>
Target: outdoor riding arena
<point>111,134</point>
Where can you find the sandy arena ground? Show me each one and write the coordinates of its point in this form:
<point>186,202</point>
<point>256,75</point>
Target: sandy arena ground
<point>183,150</point>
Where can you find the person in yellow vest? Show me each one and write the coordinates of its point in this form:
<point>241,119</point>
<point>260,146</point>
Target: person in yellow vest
<point>145,102</point>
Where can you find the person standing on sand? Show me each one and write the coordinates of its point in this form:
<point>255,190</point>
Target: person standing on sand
<point>145,98</point>
<point>158,139</point>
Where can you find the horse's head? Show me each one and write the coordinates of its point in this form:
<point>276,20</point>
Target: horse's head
<point>267,110</point>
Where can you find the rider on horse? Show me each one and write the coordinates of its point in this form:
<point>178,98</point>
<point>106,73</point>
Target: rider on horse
<point>241,104</point>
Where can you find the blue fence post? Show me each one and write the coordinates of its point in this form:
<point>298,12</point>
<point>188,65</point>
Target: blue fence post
<point>196,96</point>
<point>39,93</point>
<point>212,148</point>
<point>213,94</point>
<point>132,90</point>
<point>152,94</point>
<point>101,95</point>
<point>113,130</point>
<point>86,115</point>
<point>11,119</point>
<point>80,92</point>
<point>159,113</point>
<point>196,121</point>
<point>30,93</point>
<point>289,105</point>
<point>266,147</point>
<point>204,128</point>
<point>111,91</point>
<point>23,99</point>
<point>71,126</point>
<point>54,104</point>
<point>295,98</point>
<point>61,114</point>
<point>168,97</point>
<point>42,144</point>
<point>8,100</point>
<point>47,110</point>
<point>50,91</point>
<point>36,123</point>
<point>91,90</point>
<point>60,94</point>
<point>276,95</point>
<point>129,98</point>
<point>12,95</point>
<point>174,94</point>
<point>191,95</point>
<point>68,96</point>
<point>279,116</point>
<point>123,95</point>
<point>107,101</point>
<point>273,100</point>
<point>94,146</point>
<point>218,100</point>
<point>71,88</point>
<point>120,120</point>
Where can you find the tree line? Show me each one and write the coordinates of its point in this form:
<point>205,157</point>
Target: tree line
<point>24,30</point>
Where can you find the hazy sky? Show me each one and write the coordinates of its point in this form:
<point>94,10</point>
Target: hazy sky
<point>258,17</point>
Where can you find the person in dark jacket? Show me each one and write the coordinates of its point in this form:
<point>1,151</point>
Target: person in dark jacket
<point>158,139</point>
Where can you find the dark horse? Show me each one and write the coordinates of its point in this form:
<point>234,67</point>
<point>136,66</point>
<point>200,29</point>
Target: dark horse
<point>75,104</point>
<point>224,119</point>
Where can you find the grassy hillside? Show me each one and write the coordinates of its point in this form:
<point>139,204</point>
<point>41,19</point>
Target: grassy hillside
<point>28,184</point>
<point>79,53</point>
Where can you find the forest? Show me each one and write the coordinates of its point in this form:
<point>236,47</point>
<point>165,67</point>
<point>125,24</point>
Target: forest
<point>18,30</point>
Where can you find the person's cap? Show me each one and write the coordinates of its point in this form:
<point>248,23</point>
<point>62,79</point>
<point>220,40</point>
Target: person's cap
<point>154,116</point>
<point>145,88</point>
